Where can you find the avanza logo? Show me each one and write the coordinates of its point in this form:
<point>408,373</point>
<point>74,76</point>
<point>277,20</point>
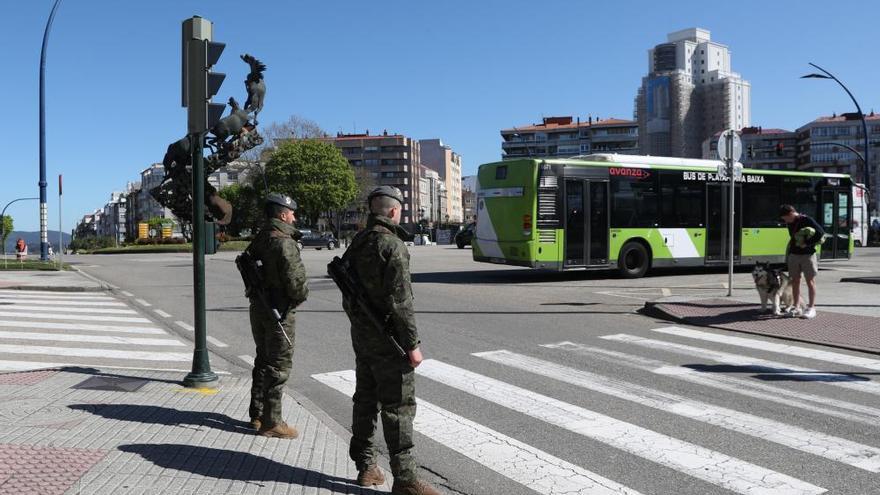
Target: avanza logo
<point>638,173</point>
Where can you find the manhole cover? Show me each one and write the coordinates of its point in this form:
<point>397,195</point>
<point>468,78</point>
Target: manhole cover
<point>34,412</point>
<point>111,383</point>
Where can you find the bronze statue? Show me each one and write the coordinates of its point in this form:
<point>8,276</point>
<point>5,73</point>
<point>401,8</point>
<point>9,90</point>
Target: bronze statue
<point>227,140</point>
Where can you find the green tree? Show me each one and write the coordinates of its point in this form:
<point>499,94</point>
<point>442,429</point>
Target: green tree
<point>246,201</point>
<point>315,174</point>
<point>7,227</point>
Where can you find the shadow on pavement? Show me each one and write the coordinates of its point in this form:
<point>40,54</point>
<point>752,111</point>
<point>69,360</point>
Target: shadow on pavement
<point>97,372</point>
<point>456,312</point>
<point>782,374</point>
<point>238,466</point>
<point>139,413</point>
<point>531,276</point>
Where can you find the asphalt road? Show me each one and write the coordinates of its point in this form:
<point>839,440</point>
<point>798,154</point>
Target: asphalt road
<point>625,421</point>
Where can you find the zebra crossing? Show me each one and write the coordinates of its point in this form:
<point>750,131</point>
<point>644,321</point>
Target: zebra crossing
<point>728,468</point>
<point>48,329</point>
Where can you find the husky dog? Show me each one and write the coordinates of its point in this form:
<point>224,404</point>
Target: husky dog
<point>773,285</point>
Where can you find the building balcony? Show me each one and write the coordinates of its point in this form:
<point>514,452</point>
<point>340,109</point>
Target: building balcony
<point>392,155</point>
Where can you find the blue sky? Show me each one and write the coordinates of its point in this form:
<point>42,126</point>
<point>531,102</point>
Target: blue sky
<point>458,70</point>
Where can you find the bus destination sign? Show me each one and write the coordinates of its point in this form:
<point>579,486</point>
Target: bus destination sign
<point>710,177</point>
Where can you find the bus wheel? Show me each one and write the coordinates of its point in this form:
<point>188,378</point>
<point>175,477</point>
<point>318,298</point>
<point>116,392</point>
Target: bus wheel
<point>634,260</point>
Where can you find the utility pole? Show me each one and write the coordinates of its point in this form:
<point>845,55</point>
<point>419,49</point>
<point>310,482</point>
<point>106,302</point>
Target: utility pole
<point>199,84</point>
<point>731,210</point>
<point>44,212</point>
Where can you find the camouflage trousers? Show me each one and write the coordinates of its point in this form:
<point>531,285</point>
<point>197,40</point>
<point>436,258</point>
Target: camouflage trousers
<point>389,383</point>
<point>272,364</point>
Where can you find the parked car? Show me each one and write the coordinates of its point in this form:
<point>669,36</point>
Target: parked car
<point>465,236</point>
<point>318,240</point>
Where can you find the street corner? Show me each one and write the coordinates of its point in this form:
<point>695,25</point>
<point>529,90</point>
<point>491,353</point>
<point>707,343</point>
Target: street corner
<point>836,329</point>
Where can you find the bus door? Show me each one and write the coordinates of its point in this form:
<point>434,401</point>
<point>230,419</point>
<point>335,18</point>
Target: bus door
<point>717,218</point>
<point>586,222</point>
<point>835,212</point>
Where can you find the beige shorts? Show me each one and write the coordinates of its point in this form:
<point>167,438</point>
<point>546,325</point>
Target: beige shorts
<point>806,264</point>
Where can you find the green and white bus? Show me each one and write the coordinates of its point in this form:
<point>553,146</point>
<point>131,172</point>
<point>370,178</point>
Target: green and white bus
<point>637,212</point>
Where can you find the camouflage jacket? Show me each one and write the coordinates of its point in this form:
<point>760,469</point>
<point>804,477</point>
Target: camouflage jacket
<point>381,260</point>
<point>283,271</point>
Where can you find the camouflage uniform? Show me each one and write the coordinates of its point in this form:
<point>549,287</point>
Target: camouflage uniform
<point>379,256</point>
<point>286,286</point>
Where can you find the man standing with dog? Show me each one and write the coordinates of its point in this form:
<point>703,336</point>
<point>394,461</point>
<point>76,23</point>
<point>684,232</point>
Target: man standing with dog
<point>806,234</point>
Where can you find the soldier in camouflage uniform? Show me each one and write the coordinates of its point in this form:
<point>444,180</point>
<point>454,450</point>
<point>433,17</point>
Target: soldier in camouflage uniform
<point>379,256</point>
<point>277,248</point>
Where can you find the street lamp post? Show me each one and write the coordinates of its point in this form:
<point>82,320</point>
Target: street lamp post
<point>3,225</point>
<point>44,212</point>
<point>865,158</point>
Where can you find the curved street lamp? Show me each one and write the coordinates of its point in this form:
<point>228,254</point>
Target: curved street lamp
<point>44,225</point>
<point>864,157</point>
<point>3,225</point>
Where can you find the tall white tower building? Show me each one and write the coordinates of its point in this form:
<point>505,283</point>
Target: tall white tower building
<point>689,94</point>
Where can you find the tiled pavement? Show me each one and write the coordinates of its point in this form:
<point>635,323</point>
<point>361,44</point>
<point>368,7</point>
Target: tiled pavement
<point>843,330</point>
<point>81,431</point>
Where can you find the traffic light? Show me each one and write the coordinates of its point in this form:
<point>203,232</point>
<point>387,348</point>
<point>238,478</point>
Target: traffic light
<point>751,151</point>
<point>199,82</point>
<point>780,149</point>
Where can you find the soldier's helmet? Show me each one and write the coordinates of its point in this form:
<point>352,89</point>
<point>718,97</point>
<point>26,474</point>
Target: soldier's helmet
<point>282,200</point>
<point>390,191</point>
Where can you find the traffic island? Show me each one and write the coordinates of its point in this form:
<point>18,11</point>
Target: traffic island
<point>847,331</point>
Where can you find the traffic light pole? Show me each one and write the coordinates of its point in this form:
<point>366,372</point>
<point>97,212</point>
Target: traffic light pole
<point>201,374</point>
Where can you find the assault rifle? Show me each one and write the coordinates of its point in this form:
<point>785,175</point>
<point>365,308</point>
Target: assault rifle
<point>341,272</point>
<point>251,273</point>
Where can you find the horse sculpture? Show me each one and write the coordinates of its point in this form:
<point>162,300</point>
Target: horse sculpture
<point>229,138</point>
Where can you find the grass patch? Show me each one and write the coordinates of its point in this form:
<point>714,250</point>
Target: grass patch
<point>31,265</point>
<point>166,248</point>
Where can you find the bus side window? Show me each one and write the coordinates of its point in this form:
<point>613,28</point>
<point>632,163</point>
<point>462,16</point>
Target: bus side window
<point>762,206</point>
<point>682,203</point>
<point>634,202</point>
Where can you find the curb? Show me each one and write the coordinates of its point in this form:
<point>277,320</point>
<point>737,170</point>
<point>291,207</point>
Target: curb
<point>652,309</point>
<point>862,280</point>
<point>53,288</point>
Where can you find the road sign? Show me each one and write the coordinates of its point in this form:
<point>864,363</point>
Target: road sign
<point>727,135</point>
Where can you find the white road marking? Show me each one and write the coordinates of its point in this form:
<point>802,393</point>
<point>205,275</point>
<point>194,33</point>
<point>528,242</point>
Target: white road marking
<point>247,359</point>
<point>755,389</point>
<point>216,342</point>
<point>95,339</point>
<point>46,325</point>
<point>713,467</point>
<point>58,302</point>
<point>536,469</point>
<point>666,292</point>
<point>56,294</point>
<point>127,293</point>
<point>184,325</point>
<point>98,353</point>
<point>847,270</point>
<point>57,316</point>
<point>35,308</point>
<point>776,368</point>
<point>142,302</point>
<point>811,442</point>
<point>161,313</point>
<point>763,345</point>
<point>38,365</point>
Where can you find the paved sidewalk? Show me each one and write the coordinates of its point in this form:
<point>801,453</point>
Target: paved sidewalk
<point>82,431</point>
<point>848,331</point>
<point>69,281</point>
